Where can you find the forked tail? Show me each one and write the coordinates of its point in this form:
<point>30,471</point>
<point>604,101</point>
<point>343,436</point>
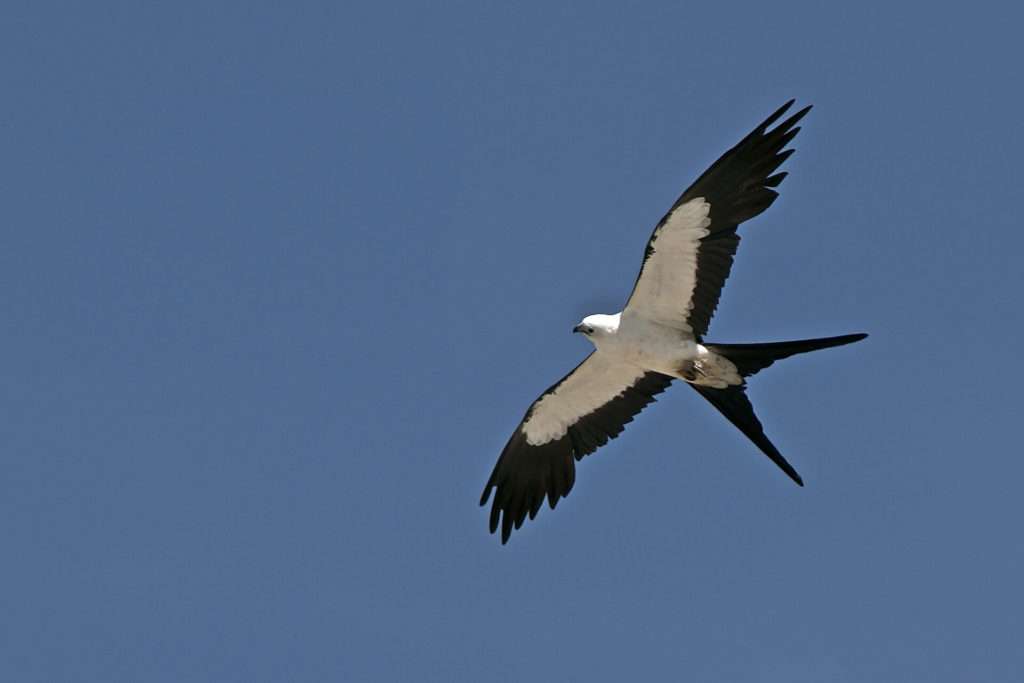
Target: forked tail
<point>751,358</point>
<point>733,402</point>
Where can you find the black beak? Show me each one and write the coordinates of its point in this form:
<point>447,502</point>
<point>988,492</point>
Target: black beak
<point>578,328</point>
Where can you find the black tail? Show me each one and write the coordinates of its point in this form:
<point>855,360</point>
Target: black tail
<point>750,358</point>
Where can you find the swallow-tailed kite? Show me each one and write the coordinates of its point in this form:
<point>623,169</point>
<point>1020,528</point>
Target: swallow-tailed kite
<point>658,336</point>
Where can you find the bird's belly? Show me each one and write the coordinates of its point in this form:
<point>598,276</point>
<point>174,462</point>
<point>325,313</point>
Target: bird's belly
<point>688,361</point>
<point>652,351</point>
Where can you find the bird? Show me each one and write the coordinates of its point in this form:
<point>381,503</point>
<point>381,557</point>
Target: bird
<point>658,337</point>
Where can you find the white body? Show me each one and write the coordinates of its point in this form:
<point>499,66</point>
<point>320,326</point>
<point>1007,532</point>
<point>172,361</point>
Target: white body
<point>650,345</point>
<point>628,346</point>
<point>653,333</point>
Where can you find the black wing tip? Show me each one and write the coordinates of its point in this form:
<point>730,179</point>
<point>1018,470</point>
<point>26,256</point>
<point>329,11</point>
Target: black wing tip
<point>800,114</point>
<point>782,110</point>
<point>523,478</point>
<point>777,114</point>
<point>511,516</point>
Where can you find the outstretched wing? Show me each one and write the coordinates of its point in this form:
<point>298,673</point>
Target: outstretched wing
<point>690,252</point>
<point>591,405</point>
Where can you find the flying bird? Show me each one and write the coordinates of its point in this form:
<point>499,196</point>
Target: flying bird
<point>658,337</point>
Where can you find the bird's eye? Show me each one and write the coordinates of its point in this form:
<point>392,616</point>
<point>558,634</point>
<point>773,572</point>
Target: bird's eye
<point>590,330</point>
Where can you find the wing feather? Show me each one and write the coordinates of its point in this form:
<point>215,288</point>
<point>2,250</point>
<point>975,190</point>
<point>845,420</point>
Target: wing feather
<point>690,252</point>
<point>576,416</point>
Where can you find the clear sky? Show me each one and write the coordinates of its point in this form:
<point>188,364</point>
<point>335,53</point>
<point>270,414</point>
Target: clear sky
<point>277,283</point>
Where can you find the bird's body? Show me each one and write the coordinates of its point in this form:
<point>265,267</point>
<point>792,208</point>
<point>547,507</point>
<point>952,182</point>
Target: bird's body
<point>659,346</point>
<point>658,337</point>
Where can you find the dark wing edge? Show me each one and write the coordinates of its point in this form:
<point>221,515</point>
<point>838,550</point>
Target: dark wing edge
<point>735,405</point>
<point>525,474</point>
<point>738,186</point>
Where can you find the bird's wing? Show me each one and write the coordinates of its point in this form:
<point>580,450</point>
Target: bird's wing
<point>690,252</point>
<point>589,406</point>
<point>735,405</point>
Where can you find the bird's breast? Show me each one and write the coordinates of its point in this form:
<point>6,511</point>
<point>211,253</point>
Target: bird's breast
<point>653,347</point>
<point>667,351</point>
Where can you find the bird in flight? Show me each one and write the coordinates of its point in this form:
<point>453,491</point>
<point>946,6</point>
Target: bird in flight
<point>658,337</point>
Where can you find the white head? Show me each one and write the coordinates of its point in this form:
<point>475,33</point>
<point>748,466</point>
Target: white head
<point>598,326</point>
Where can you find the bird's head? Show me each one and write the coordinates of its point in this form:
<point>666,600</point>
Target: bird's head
<point>598,326</point>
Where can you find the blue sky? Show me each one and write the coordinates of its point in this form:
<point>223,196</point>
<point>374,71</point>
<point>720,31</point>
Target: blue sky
<point>278,283</point>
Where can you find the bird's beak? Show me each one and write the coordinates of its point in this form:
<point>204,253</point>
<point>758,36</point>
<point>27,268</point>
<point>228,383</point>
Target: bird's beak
<point>578,328</point>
